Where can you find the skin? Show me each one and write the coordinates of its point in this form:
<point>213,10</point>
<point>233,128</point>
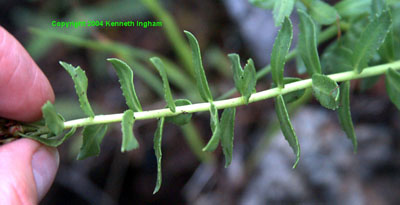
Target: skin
<point>27,168</point>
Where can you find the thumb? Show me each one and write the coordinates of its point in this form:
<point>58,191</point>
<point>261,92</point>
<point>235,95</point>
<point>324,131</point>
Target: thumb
<point>27,170</point>
<point>23,86</point>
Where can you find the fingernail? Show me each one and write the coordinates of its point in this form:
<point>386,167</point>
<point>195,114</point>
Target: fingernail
<point>44,166</point>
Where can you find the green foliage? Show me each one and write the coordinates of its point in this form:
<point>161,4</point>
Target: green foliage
<point>282,9</point>
<point>392,82</point>
<point>125,76</point>
<point>81,84</point>
<point>53,121</point>
<point>227,125</point>
<point>307,44</point>
<point>293,96</point>
<point>201,79</point>
<point>322,12</point>
<point>215,128</point>
<point>359,40</point>
<point>92,137</point>
<point>180,119</point>
<point>129,141</point>
<point>167,90</point>
<point>280,51</point>
<point>344,113</point>
<point>286,127</point>
<point>326,91</point>
<point>158,153</point>
<point>245,80</point>
<point>371,40</point>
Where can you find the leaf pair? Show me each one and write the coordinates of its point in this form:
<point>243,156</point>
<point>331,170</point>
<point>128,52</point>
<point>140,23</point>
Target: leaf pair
<point>223,130</point>
<point>245,80</point>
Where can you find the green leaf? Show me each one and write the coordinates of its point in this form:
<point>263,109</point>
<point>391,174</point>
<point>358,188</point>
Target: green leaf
<point>227,125</point>
<point>300,67</point>
<point>336,58</point>
<point>53,121</point>
<point>280,50</point>
<point>307,44</point>
<point>125,76</point>
<point>387,50</point>
<point>326,91</point>
<point>369,82</point>
<point>129,141</point>
<point>157,150</point>
<point>245,80</point>
<point>201,79</point>
<point>183,118</point>
<point>214,122</point>
<point>392,82</point>
<point>344,113</point>
<point>92,137</point>
<point>81,84</point>
<point>249,80</point>
<point>282,9</point>
<point>264,4</point>
<point>322,12</point>
<point>167,91</point>
<point>352,8</point>
<point>370,41</point>
<point>49,139</point>
<point>292,96</point>
<point>286,127</point>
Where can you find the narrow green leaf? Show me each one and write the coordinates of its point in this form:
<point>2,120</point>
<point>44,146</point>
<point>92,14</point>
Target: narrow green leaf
<point>326,91</point>
<point>157,150</point>
<point>92,137</point>
<point>214,122</point>
<point>129,141</point>
<point>307,44</point>
<point>125,76</point>
<point>280,50</point>
<point>392,82</point>
<point>371,40</point>
<point>227,125</point>
<point>344,113</point>
<point>237,71</point>
<point>167,91</point>
<point>367,83</point>
<point>286,127</point>
<point>352,8</point>
<point>322,12</point>
<point>387,50</point>
<point>336,59</point>
<point>53,121</point>
<point>249,80</point>
<point>81,84</point>
<point>183,118</point>
<point>292,96</point>
<point>282,9</point>
<point>264,4</point>
<point>49,139</point>
<point>300,67</point>
<point>245,80</point>
<point>201,78</point>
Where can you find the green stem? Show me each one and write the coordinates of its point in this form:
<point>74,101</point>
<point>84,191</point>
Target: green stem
<point>233,102</point>
<point>322,37</point>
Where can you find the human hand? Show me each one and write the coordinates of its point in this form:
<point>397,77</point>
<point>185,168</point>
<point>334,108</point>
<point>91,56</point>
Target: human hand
<point>27,168</point>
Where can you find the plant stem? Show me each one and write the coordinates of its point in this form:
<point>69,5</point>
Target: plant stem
<point>233,102</point>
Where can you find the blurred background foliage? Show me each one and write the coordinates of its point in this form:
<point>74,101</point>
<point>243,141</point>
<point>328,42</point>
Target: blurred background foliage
<point>260,172</point>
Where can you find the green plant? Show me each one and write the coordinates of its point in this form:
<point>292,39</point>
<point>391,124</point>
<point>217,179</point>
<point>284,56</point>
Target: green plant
<point>374,53</point>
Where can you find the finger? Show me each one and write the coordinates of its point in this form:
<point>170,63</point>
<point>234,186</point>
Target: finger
<point>27,170</point>
<point>23,86</point>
